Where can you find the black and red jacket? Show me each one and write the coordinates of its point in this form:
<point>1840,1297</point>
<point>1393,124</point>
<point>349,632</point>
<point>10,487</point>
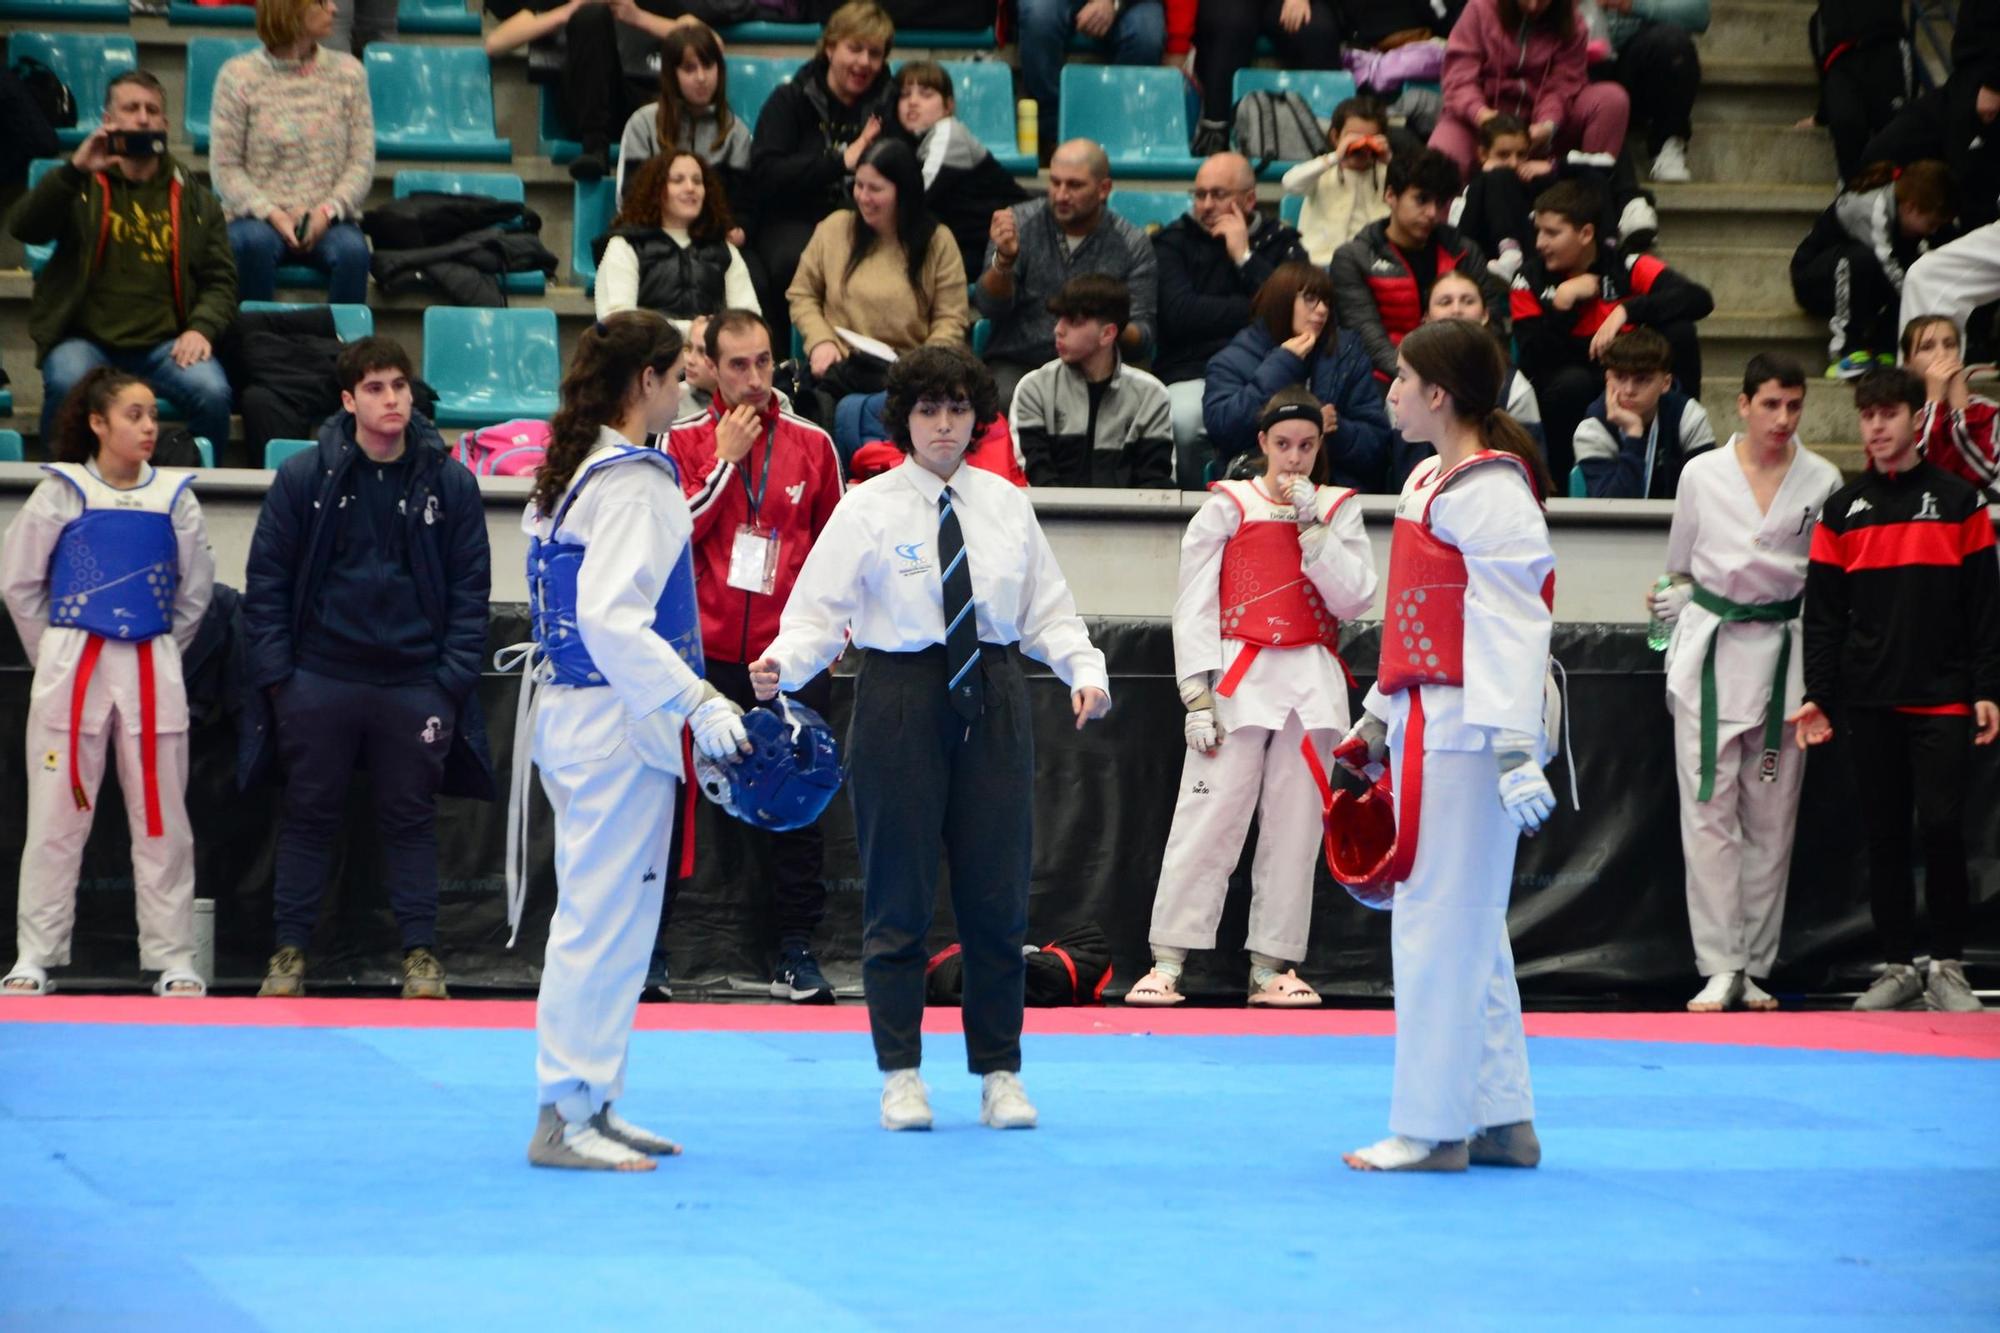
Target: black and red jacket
<point>1548,339</point>
<point>1376,293</point>
<point>1903,595</point>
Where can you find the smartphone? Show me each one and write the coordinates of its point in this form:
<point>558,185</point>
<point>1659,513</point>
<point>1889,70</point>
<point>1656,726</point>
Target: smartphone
<point>299,227</point>
<point>135,143</point>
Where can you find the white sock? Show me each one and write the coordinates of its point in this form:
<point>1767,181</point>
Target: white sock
<point>1168,961</point>
<point>1263,968</point>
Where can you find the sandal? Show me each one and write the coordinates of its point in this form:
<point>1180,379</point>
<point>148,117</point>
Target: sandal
<point>26,979</point>
<point>1284,991</point>
<point>1155,990</point>
<point>177,983</point>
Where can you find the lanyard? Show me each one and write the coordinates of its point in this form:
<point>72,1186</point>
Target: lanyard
<point>756,497</point>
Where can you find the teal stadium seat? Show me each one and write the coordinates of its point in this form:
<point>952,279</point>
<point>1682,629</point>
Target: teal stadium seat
<point>436,16</point>
<point>182,13</point>
<point>593,203</point>
<point>1149,209</point>
<point>1291,208</point>
<point>36,256</point>
<point>68,11</point>
<point>85,62</point>
<point>908,39</point>
<point>277,451</point>
<point>434,102</point>
<point>205,449</point>
<point>1139,114</point>
<point>494,184</point>
<point>1579,489</point>
<point>205,57</point>
<point>491,365</point>
<point>984,91</point>
<point>1323,89</point>
<point>553,137</point>
<point>350,322</point>
<point>752,80</point>
<point>10,447</point>
<point>6,401</point>
<point>982,334</point>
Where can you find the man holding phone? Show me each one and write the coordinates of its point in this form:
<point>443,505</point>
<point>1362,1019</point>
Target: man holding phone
<point>142,277</point>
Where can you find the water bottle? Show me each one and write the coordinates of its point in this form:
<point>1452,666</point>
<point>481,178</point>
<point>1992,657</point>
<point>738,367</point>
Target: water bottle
<point>1659,632</point>
<point>1028,126</point>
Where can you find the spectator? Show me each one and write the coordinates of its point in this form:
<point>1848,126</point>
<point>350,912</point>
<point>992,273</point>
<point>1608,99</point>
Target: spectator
<point>1292,339</point>
<point>1494,213</point>
<point>1637,436</point>
<point>1525,58</point>
<point>602,55</point>
<point>359,22</point>
<point>1211,262</point>
<point>1382,279</point>
<point>106,572</point>
<point>1306,34</point>
<point>1866,66</point>
<point>811,135</point>
<point>292,154</point>
<point>1086,418</point>
<point>1130,32</point>
<point>1037,246</point>
<point>1849,268</point>
<point>1456,295</point>
<point>762,481</point>
<point>365,618</point>
<point>1957,427</point>
<point>886,271</point>
<point>692,114</point>
<point>1660,72</point>
<point>698,392</point>
<point>142,278</point>
<point>1343,187</point>
<point>1957,122</point>
<point>668,247</point>
<point>963,185</point>
<point>1954,280</point>
<point>1572,297</point>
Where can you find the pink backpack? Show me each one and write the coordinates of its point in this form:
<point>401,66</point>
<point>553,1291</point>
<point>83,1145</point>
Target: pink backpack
<point>510,449</point>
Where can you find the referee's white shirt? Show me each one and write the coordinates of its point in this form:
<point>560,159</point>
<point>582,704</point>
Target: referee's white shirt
<point>873,574</point>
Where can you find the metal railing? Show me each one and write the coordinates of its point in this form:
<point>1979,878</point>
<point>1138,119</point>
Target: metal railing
<point>1932,23</point>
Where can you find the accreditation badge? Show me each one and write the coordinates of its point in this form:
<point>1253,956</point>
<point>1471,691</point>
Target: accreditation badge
<point>753,559</point>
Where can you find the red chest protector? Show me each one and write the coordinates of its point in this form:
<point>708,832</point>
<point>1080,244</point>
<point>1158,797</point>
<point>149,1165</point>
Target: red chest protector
<point>1267,601</point>
<point>1423,618</point>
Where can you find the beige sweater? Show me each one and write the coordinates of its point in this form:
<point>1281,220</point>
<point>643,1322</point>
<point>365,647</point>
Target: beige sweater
<point>876,299</point>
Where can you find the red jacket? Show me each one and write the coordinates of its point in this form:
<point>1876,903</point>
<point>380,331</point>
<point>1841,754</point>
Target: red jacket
<point>803,486</point>
<point>1963,443</point>
<point>993,450</point>
<point>1485,64</point>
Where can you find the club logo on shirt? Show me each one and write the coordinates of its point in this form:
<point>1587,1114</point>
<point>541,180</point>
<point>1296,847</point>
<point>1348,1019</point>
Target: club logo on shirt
<point>913,559</point>
<point>1928,508</point>
<point>51,761</point>
<point>795,492</point>
<point>1858,505</point>
<point>1200,788</point>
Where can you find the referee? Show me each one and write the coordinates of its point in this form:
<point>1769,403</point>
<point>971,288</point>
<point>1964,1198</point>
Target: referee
<point>939,571</point>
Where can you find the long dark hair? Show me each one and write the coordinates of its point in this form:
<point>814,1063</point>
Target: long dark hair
<point>914,224</point>
<point>1559,17</point>
<point>674,109</point>
<point>642,206</point>
<point>610,356</point>
<point>1468,363</point>
<point>93,395</point>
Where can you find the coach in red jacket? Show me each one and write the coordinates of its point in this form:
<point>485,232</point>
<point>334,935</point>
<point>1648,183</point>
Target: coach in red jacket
<point>761,484</point>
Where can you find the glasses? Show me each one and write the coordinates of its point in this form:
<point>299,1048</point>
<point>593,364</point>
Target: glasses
<point>1203,196</point>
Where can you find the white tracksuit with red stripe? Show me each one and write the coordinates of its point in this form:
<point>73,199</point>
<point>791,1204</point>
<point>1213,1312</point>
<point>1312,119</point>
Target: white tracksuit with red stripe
<point>1461,1060</point>
<point>1248,591</point>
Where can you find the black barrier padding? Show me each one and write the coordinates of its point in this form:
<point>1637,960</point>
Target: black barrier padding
<point>1598,913</point>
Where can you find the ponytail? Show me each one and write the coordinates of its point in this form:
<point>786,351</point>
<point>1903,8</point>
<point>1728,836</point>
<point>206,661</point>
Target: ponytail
<point>610,358</point>
<point>92,395</point>
<point>1502,433</point>
<point>1467,362</point>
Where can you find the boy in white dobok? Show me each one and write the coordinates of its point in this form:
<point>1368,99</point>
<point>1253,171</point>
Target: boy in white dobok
<point>1269,569</point>
<point>1737,554</point>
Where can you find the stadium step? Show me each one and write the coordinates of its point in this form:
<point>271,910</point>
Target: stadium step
<point>1759,30</point>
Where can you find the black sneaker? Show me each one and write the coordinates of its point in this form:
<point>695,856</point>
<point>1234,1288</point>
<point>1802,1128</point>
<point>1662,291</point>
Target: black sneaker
<point>658,985</point>
<point>800,980</point>
<point>590,165</point>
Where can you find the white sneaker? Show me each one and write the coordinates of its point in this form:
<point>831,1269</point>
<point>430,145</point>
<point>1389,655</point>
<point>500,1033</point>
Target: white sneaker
<point>1725,990</point>
<point>906,1102</point>
<point>1670,164</point>
<point>1507,265</point>
<point>1638,224</point>
<point>1003,1103</point>
<point>1755,996</point>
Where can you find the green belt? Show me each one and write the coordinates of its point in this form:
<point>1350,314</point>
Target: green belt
<point>1774,714</point>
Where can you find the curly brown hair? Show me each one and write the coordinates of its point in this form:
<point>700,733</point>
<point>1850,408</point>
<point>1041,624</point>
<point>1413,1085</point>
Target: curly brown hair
<point>92,396</point>
<point>642,199</point>
<point>942,371</point>
<point>610,357</point>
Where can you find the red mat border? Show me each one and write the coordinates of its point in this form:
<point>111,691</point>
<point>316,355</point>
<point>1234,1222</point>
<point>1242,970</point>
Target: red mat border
<point>1963,1036</point>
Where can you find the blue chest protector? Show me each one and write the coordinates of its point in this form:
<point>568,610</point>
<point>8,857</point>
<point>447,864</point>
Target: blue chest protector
<point>115,571</point>
<point>552,571</point>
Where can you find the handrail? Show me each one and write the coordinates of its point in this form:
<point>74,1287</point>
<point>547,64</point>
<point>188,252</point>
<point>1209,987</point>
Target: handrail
<point>1932,23</point>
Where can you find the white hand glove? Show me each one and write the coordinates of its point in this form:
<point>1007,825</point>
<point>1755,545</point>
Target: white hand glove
<point>1667,603</point>
<point>1305,499</point>
<point>1524,788</point>
<point>1364,747</point>
<point>717,725</point>
<point>1202,731</point>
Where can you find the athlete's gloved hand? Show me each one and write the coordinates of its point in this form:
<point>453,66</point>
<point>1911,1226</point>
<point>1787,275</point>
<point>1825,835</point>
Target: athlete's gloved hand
<point>1667,603</point>
<point>1363,749</point>
<point>1202,728</point>
<point>717,724</point>
<point>1305,499</point>
<point>1524,788</point>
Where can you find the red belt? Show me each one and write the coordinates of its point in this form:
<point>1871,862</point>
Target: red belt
<point>1241,667</point>
<point>1409,817</point>
<point>149,766</point>
<point>687,804</point>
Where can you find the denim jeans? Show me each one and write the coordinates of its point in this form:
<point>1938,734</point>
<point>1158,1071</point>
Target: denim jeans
<point>200,390</point>
<point>1138,36</point>
<point>342,253</point>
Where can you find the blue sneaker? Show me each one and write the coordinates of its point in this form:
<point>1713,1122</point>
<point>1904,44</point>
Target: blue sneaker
<point>800,980</point>
<point>1852,366</point>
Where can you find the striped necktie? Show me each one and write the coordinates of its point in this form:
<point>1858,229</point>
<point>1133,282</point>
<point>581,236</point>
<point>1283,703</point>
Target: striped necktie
<point>961,625</point>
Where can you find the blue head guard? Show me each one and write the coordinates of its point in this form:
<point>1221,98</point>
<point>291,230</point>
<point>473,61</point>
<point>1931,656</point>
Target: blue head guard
<point>789,777</point>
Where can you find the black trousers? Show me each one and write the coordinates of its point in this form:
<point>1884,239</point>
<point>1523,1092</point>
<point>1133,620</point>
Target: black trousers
<point>597,95</point>
<point>1858,98</point>
<point>779,242</point>
<point>1225,40</point>
<point>926,787</point>
<point>1902,760</point>
<point>400,734</point>
<point>1944,124</point>
<point>1846,287</point>
<point>1661,74</point>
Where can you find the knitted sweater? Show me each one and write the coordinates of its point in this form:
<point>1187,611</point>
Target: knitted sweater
<point>292,134</point>
<point>876,299</point>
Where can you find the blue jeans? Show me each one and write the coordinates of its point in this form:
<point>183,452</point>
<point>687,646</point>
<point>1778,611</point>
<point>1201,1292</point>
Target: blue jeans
<point>342,253</point>
<point>1138,36</point>
<point>200,390</point>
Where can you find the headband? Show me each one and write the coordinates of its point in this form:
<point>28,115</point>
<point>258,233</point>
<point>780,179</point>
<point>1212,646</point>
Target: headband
<point>1289,412</point>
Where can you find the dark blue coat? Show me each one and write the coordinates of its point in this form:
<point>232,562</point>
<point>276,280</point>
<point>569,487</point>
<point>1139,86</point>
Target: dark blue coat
<point>449,558</point>
<point>1244,375</point>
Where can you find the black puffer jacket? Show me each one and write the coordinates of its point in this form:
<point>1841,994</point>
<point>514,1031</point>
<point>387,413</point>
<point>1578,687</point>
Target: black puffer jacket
<point>679,281</point>
<point>801,134</point>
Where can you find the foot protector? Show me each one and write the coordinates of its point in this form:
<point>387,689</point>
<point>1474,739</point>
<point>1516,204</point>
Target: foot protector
<point>579,1147</point>
<point>1506,1145</point>
<point>1397,1153</point>
<point>620,1130</point>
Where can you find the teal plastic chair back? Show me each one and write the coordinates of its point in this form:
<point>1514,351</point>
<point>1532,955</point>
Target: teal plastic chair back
<point>35,256</point>
<point>10,447</point>
<point>1578,490</point>
<point>1138,113</point>
<point>85,62</point>
<point>763,33</point>
<point>203,447</point>
<point>1323,89</point>
<point>495,184</point>
<point>205,57</point>
<point>351,322</point>
<point>277,451</point>
<point>68,11</point>
<point>185,12</point>
<point>593,203</point>
<point>491,365</point>
<point>433,101</point>
<point>751,81</point>
<point>1291,208</point>
<point>6,401</point>
<point>984,92</point>
<point>1147,209</point>
<point>436,16</point>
